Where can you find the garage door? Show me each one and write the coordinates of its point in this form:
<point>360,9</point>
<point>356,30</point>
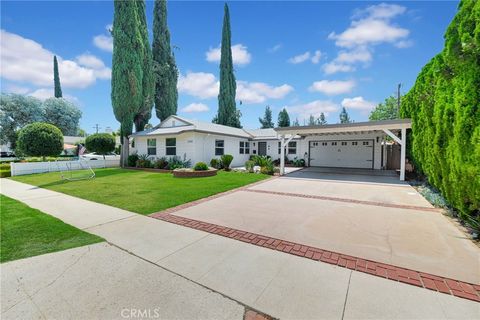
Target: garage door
<point>342,153</point>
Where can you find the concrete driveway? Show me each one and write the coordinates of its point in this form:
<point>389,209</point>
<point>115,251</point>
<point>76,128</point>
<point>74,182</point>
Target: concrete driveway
<point>374,217</point>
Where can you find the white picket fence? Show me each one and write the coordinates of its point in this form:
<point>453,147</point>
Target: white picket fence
<point>22,168</point>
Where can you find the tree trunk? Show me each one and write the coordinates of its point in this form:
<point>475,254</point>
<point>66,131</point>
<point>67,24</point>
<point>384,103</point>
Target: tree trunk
<point>124,152</point>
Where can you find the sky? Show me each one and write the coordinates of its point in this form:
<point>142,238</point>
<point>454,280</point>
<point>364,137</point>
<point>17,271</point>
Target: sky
<point>307,57</point>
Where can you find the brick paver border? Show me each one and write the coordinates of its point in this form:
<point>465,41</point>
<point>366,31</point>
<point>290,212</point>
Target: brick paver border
<point>425,280</point>
<point>370,203</point>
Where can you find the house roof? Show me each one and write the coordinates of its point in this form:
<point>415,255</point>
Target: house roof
<point>347,127</point>
<point>193,125</point>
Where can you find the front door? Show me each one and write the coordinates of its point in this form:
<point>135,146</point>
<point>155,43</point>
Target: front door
<point>262,148</point>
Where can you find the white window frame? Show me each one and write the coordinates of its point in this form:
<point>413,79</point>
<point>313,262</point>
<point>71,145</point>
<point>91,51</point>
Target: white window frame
<point>152,148</point>
<point>173,147</point>
<point>219,150</point>
<point>244,147</point>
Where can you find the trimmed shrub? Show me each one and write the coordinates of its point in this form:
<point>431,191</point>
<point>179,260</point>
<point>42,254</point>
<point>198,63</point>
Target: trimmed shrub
<point>132,160</point>
<point>40,140</point>
<point>101,143</point>
<point>249,165</point>
<point>268,169</point>
<point>298,162</point>
<point>216,163</point>
<point>143,161</point>
<point>200,166</point>
<point>160,163</point>
<point>226,161</point>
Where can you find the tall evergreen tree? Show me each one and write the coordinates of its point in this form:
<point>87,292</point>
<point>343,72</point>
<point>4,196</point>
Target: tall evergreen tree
<point>165,69</point>
<point>296,123</point>
<point>127,68</point>
<point>148,83</point>
<point>266,121</point>
<point>56,79</point>
<point>311,120</point>
<point>283,118</point>
<point>321,120</point>
<point>227,111</point>
<point>344,117</point>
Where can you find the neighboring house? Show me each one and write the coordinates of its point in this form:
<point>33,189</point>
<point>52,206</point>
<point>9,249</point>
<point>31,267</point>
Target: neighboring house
<point>203,141</point>
<point>353,145</point>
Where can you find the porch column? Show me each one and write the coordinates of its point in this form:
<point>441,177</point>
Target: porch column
<point>282,155</point>
<point>402,154</point>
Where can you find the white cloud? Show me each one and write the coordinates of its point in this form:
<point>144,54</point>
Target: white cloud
<point>198,84</point>
<point>404,44</point>
<point>334,67</point>
<point>195,107</point>
<point>240,54</point>
<point>316,57</point>
<point>358,103</point>
<point>205,85</point>
<point>380,11</point>
<point>303,111</point>
<point>275,48</point>
<point>17,89</point>
<point>300,58</point>
<point>24,60</point>
<point>360,54</point>
<point>333,87</point>
<point>45,93</point>
<point>258,92</point>
<point>104,42</point>
<point>99,69</point>
<point>307,56</point>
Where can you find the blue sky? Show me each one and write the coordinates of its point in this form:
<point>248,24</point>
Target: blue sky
<point>309,57</point>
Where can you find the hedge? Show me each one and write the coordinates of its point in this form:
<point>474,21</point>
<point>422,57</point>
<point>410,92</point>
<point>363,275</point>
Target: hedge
<point>444,108</point>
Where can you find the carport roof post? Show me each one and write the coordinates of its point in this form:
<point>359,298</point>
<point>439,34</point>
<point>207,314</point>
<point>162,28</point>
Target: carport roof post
<point>383,126</point>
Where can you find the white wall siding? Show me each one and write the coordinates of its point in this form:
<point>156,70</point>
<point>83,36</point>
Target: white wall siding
<point>272,149</point>
<point>205,148</point>
<point>185,146</point>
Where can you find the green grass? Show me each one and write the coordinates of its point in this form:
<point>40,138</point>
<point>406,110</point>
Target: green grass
<point>140,191</point>
<point>27,232</point>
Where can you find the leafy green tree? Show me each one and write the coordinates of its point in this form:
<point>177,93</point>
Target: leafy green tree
<point>40,140</point>
<point>63,114</point>
<point>266,121</point>
<point>227,111</point>
<point>56,79</point>
<point>387,110</point>
<point>165,69</point>
<point>283,118</point>
<point>127,68</point>
<point>321,120</point>
<point>148,81</point>
<point>81,132</point>
<point>444,105</point>
<point>16,111</point>
<point>101,143</point>
<point>344,117</point>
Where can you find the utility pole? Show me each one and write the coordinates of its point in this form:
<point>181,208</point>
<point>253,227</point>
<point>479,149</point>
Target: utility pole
<point>398,99</point>
<point>96,127</point>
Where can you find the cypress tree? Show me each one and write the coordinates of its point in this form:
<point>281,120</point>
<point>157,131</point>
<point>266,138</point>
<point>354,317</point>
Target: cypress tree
<point>344,117</point>
<point>56,79</point>
<point>166,72</point>
<point>283,118</point>
<point>227,111</point>
<point>148,83</point>
<point>266,121</point>
<point>321,120</point>
<point>127,68</point>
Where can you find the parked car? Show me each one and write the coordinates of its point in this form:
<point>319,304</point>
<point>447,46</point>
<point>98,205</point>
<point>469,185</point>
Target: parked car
<point>7,154</point>
<point>96,156</point>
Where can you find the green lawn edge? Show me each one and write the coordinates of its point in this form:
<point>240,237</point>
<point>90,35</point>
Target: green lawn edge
<point>27,232</point>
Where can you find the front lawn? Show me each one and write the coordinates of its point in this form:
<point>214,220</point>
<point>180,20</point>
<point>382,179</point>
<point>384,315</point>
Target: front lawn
<point>140,191</point>
<point>27,232</point>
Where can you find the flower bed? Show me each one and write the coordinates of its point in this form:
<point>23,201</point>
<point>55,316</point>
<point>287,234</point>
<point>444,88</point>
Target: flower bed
<point>190,173</point>
<point>150,169</point>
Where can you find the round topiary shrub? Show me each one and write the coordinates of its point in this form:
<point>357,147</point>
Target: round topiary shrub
<point>40,140</point>
<point>226,161</point>
<point>101,143</point>
<point>200,166</point>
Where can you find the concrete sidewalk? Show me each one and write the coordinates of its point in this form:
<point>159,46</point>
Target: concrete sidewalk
<point>278,284</point>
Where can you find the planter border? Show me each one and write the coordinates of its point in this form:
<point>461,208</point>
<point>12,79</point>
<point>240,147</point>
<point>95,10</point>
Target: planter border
<point>150,169</point>
<point>195,174</point>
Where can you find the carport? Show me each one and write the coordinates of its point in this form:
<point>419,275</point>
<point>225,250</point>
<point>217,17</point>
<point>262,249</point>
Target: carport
<point>348,145</point>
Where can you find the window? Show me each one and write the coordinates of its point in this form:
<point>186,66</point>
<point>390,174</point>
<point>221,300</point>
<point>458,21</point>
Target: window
<point>324,143</point>
<point>244,147</point>
<point>365,143</point>
<point>354,143</point>
<point>334,143</point>
<point>151,147</point>
<point>291,149</point>
<point>219,147</point>
<point>344,143</point>
<point>171,146</point>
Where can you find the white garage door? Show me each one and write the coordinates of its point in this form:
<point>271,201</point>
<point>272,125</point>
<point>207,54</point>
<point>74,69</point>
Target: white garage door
<point>342,153</point>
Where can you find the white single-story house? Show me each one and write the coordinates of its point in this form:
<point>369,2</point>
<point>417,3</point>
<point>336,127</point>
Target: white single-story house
<point>352,145</point>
